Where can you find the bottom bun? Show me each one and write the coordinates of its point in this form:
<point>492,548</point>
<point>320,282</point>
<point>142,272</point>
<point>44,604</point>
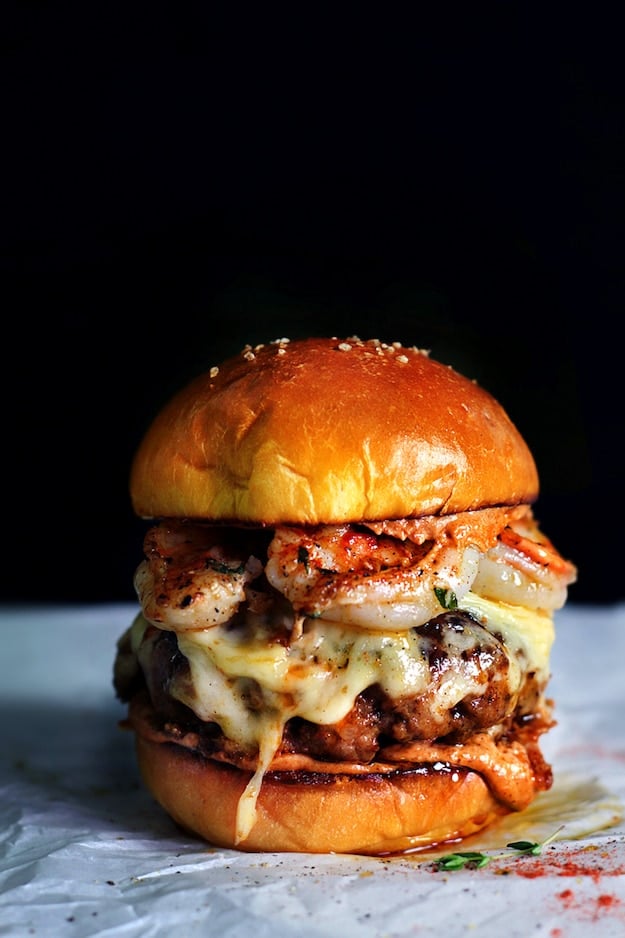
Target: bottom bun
<point>306,812</point>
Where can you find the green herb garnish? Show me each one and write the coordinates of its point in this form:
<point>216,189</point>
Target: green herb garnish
<point>447,598</point>
<point>475,861</point>
<point>457,861</point>
<point>220,567</point>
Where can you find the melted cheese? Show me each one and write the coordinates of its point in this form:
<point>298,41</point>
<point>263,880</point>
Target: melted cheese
<point>251,684</point>
<point>528,634</point>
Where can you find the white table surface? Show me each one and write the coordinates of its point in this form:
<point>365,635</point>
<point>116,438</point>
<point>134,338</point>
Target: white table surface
<point>84,851</point>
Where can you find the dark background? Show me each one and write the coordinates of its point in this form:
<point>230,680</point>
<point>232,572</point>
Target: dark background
<point>178,183</point>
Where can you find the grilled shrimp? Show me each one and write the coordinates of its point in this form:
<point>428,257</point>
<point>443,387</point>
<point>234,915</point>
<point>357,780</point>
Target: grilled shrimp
<point>190,579</point>
<point>524,568</point>
<point>349,574</point>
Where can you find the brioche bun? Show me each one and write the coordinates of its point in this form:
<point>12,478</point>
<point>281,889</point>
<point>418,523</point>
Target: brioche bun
<point>305,812</point>
<point>326,431</point>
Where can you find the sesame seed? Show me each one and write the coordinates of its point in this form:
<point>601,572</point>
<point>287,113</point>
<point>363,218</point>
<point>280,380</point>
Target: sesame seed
<point>214,371</point>
<point>345,347</point>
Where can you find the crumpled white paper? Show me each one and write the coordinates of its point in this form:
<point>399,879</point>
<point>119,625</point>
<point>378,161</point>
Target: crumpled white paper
<point>84,850</point>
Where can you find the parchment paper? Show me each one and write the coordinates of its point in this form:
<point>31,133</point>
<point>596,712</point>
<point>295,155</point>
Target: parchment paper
<point>84,850</point>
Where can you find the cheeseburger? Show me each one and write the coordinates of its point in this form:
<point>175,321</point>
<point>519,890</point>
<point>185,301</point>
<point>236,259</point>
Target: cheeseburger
<point>346,604</point>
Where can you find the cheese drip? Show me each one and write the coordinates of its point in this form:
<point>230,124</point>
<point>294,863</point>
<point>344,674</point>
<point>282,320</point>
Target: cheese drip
<point>250,684</point>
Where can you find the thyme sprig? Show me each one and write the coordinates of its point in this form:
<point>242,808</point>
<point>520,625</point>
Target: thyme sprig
<point>475,860</point>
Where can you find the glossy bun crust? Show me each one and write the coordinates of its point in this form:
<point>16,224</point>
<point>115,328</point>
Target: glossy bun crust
<point>326,431</point>
<point>314,813</point>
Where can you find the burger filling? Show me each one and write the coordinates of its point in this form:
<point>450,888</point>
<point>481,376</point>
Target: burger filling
<point>349,648</point>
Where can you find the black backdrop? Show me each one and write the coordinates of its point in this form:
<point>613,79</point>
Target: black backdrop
<point>179,184</point>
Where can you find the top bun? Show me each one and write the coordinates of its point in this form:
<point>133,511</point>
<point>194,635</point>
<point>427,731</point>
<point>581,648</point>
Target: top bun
<point>326,430</point>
